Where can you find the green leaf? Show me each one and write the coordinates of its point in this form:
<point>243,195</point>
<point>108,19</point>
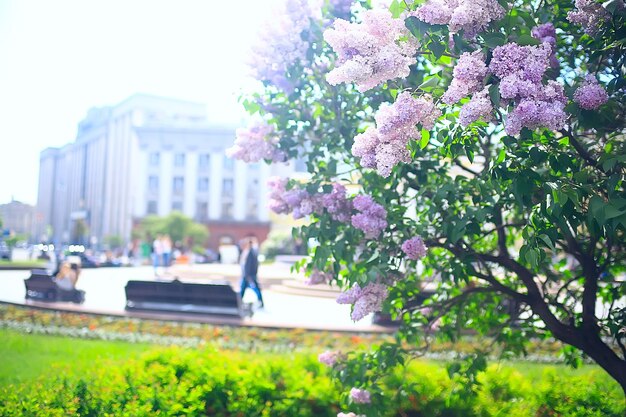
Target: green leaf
<point>437,48</point>
<point>493,40</point>
<point>429,83</point>
<point>424,140</point>
<point>527,40</point>
<point>416,26</point>
<point>396,8</point>
<point>494,93</point>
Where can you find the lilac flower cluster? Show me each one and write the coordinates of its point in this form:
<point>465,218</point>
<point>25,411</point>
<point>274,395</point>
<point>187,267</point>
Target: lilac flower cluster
<point>283,201</point>
<point>372,218</point>
<point>360,396</point>
<point>318,277</point>
<point>546,33</point>
<point>256,143</point>
<point>365,300</point>
<point>337,205</point>
<point>471,16</point>
<point>414,248</point>
<point>521,69</point>
<point>372,52</point>
<point>280,43</point>
<point>479,107</point>
<point>301,203</point>
<point>329,357</point>
<point>341,8</point>
<point>469,73</point>
<point>589,14</point>
<point>386,145</point>
<point>348,415</point>
<point>590,95</point>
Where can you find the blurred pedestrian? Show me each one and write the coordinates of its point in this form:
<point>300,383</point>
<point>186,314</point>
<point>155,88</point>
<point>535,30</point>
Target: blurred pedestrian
<point>249,261</point>
<point>157,254</point>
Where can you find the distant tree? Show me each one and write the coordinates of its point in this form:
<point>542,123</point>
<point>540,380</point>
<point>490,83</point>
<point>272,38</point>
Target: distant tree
<point>114,241</point>
<point>79,231</point>
<point>179,227</point>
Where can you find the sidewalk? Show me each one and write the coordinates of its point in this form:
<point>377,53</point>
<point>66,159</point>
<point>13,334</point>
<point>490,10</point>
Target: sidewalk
<point>104,289</point>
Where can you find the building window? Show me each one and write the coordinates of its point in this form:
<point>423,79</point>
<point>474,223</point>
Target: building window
<point>227,210</point>
<point>152,207</point>
<point>229,163</point>
<point>204,160</point>
<point>177,206</point>
<point>252,209</point>
<point>228,187</point>
<point>203,184</point>
<point>202,211</point>
<point>178,185</point>
<point>179,160</point>
<point>153,183</point>
<point>155,159</point>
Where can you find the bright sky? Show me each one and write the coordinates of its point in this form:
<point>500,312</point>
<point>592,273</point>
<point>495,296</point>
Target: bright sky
<point>59,58</point>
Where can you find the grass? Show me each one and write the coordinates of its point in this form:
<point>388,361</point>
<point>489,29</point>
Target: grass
<point>27,357</point>
<point>22,264</point>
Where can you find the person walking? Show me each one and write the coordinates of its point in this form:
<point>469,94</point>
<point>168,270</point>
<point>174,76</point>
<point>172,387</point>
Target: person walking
<point>249,261</point>
<point>157,254</point>
<point>166,245</point>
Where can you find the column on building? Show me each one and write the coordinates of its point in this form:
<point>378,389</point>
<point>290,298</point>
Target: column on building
<point>263,197</point>
<point>191,184</point>
<point>215,184</point>
<point>166,178</point>
<point>140,185</point>
<point>241,185</point>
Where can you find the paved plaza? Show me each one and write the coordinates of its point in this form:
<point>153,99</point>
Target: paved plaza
<point>288,303</point>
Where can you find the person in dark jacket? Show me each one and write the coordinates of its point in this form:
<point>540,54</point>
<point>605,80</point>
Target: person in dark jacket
<point>249,261</point>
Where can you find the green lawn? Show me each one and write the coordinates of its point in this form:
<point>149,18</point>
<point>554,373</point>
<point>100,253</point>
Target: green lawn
<point>26,357</point>
<point>22,264</point>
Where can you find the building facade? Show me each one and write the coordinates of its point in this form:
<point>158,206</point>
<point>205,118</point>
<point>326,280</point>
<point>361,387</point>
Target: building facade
<point>17,218</point>
<point>150,155</point>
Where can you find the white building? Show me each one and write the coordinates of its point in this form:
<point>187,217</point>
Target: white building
<point>149,155</point>
<point>17,218</point>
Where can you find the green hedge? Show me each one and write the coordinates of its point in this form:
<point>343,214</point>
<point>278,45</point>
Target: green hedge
<point>184,382</point>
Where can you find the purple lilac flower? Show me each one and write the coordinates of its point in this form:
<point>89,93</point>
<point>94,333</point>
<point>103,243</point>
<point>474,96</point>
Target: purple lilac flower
<point>329,357</point>
<point>590,95</point>
<point>386,145</point>
<point>365,300</point>
<point>372,216</point>
<point>589,14</point>
<point>521,69</point>
<point>280,43</point>
<point>378,49</point>
<point>546,33</point>
<point>360,396</point>
<point>341,8</point>
<point>348,415</point>
<point>277,188</point>
<point>479,107</point>
<point>256,143</point>
<point>469,73</point>
<point>337,204</point>
<point>471,16</point>
<point>414,248</point>
<point>318,277</point>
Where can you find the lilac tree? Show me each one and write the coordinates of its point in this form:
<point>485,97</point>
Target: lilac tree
<point>467,164</point>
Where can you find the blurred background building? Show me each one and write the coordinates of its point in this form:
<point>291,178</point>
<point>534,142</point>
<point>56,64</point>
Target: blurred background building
<point>150,155</point>
<point>17,218</point>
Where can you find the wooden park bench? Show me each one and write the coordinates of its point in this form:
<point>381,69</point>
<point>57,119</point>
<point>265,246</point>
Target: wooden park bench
<point>185,297</point>
<point>41,287</point>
